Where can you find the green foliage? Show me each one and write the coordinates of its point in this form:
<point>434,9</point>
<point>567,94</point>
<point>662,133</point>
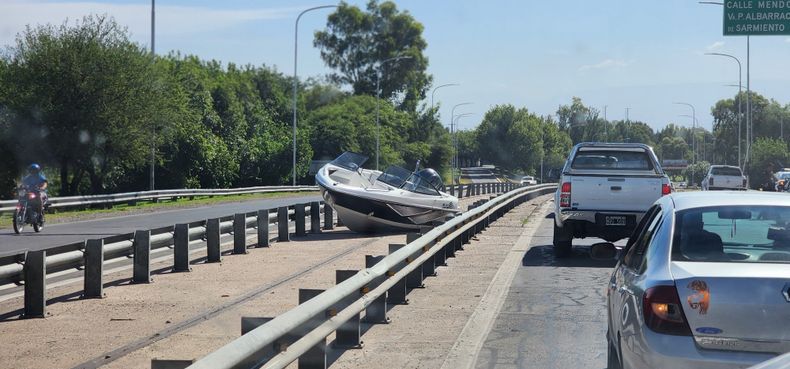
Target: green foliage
<point>355,42</point>
<point>695,172</point>
<point>78,91</point>
<point>769,155</point>
<point>510,138</point>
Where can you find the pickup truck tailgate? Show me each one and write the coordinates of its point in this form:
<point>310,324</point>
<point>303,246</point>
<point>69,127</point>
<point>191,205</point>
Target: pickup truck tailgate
<point>604,193</point>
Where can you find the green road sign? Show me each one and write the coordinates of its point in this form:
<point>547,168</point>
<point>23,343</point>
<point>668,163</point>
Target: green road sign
<point>756,17</point>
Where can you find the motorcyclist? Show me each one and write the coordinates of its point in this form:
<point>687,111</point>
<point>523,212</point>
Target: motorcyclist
<point>36,181</point>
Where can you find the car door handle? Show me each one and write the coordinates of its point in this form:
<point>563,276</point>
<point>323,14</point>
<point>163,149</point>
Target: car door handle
<point>615,188</point>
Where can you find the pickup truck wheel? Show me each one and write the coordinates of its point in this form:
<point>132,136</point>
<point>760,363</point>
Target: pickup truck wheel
<point>562,241</point>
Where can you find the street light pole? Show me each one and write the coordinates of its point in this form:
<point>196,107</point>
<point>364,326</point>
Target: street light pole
<point>693,136</point>
<point>153,126</point>
<point>740,114</point>
<point>438,87</point>
<point>452,133</point>
<point>295,80</point>
<point>378,97</point>
<point>748,91</point>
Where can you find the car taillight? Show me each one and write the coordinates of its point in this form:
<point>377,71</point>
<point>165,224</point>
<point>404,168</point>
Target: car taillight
<point>565,195</point>
<point>666,189</point>
<point>663,312</point>
<point>31,195</point>
<point>744,183</point>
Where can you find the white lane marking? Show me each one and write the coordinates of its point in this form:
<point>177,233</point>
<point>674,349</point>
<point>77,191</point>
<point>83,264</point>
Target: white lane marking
<point>467,347</point>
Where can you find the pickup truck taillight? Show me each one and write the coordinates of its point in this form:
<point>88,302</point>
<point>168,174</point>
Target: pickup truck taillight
<point>663,312</point>
<point>565,195</point>
<point>710,181</point>
<point>744,183</point>
<point>666,189</point>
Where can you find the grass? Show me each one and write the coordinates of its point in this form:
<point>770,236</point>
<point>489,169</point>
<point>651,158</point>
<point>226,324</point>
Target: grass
<point>147,207</point>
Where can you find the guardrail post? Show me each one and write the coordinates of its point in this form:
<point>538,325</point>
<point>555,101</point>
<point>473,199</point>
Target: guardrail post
<point>348,335</point>
<point>415,277</point>
<point>240,233</point>
<point>94,266</point>
<point>35,274</point>
<point>328,217</point>
<point>396,295</point>
<point>315,357</point>
<point>181,248</point>
<point>249,323</point>
<point>212,241</point>
<point>282,224</point>
<point>170,364</point>
<point>315,217</point>
<point>376,312</point>
<point>469,191</point>
<point>459,191</point>
<point>429,266</point>
<point>262,223</point>
<point>142,257</point>
<point>299,219</point>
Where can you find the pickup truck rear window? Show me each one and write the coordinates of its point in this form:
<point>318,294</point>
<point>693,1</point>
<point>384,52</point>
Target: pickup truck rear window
<point>726,171</point>
<point>612,160</point>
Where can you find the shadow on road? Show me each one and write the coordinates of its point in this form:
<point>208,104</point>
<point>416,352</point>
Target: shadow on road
<point>544,256</point>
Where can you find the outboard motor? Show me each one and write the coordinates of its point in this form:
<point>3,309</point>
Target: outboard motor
<point>430,176</point>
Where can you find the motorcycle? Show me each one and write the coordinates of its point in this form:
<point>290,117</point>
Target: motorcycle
<point>28,210</point>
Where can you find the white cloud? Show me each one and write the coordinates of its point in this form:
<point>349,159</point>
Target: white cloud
<point>170,20</point>
<point>715,46</point>
<point>608,63</point>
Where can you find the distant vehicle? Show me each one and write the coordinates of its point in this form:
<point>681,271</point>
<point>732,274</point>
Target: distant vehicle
<point>724,177</point>
<point>781,181</point>
<point>528,180</point>
<point>703,283</point>
<point>604,191</point>
<point>27,210</point>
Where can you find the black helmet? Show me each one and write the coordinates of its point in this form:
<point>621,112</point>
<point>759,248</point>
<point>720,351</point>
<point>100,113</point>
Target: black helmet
<point>34,168</point>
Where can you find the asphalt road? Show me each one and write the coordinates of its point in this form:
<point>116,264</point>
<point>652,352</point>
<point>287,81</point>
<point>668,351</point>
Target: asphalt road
<point>554,315</point>
<point>478,175</point>
<point>65,233</point>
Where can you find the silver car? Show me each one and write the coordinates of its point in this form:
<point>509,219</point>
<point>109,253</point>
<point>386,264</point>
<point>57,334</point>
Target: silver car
<point>703,283</point>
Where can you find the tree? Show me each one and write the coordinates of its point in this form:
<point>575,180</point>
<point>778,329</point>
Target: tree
<point>355,43</point>
<point>510,138</point>
<point>768,156</point>
<point>350,125</point>
<point>86,98</point>
<point>580,122</point>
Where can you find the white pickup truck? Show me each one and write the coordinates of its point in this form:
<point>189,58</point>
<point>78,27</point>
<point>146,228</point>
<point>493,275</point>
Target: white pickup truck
<point>605,189</point>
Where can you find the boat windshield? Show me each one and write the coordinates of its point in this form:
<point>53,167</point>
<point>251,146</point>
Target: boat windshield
<point>426,182</point>
<point>394,176</point>
<point>350,160</point>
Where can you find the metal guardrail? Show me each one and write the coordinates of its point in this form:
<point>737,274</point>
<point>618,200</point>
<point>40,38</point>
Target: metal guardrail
<point>300,333</point>
<point>133,197</point>
<point>32,268</point>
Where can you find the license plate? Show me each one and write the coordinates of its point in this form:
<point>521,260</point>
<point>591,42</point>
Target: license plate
<point>611,220</point>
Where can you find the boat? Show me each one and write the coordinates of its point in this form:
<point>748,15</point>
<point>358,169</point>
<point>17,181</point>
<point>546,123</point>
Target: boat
<point>396,199</point>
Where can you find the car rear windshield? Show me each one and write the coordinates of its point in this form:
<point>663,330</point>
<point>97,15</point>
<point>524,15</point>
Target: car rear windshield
<point>726,171</point>
<point>738,234</point>
<point>612,160</point>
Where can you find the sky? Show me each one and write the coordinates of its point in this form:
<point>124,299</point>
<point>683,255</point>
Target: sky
<point>642,55</point>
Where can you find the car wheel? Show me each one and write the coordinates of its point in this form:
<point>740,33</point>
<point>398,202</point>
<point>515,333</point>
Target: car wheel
<point>612,358</point>
<point>563,238</point>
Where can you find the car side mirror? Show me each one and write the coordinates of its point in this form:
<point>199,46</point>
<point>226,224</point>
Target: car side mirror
<point>603,251</point>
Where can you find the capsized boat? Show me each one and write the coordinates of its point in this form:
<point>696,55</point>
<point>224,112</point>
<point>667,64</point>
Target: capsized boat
<point>370,200</point>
